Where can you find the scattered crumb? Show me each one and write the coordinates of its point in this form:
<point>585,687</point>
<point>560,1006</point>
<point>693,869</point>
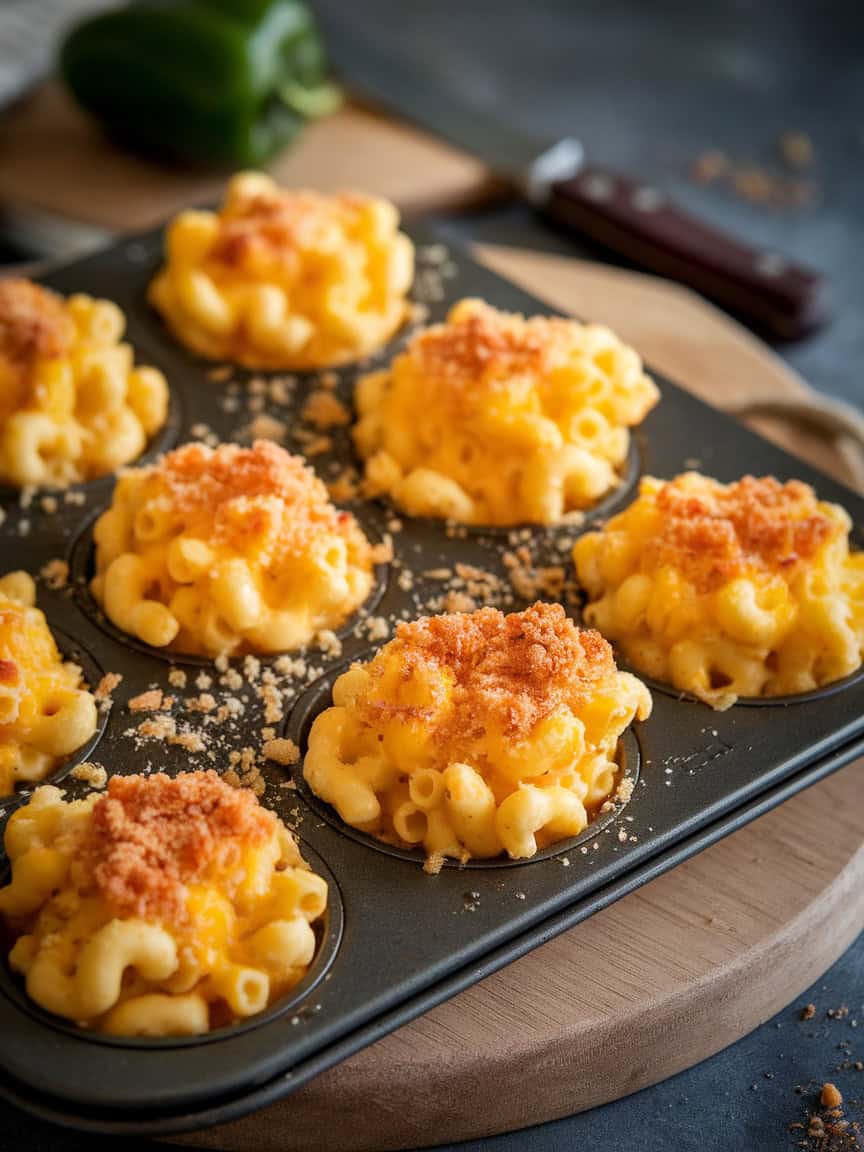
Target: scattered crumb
<point>323,410</point>
<point>265,427</point>
<point>808,1012</point>
<point>383,553</point>
<point>93,774</point>
<point>830,1096</point>
<point>150,701</point>
<point>106,685</point>
<point>329,643</point>
<point>281,751</point>
<point>158,728</point>
<point>624,791</point>
<point>55,574</point>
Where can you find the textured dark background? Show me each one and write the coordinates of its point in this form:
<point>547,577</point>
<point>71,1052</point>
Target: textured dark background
<point>649,86</point>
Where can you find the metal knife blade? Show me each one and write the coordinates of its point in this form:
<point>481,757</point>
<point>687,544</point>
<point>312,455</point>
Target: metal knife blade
<point>622,214</point>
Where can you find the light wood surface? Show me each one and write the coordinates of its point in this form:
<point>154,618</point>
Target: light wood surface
<point>55,159</point>
<point>672,973</point>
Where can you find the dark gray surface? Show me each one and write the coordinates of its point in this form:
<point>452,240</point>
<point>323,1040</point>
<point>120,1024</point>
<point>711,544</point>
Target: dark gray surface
<point>648,86</point>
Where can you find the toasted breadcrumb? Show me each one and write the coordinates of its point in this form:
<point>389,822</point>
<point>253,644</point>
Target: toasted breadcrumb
<point>107,685</point>
<point>517,668</point>
<point>151,836</point>
<point>150,701</point>
<point>324,410</point>
<point>716,532</point>
<point>93,774</point>
<point>282,751</point>
<point>55,574</point>
<point>235,494</point>
<point>34,323</point>
<point>265,427</point>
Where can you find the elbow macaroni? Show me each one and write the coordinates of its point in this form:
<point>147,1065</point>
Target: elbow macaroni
<point>237,934</point>
<point>494,419</point>
<point>476,734</point>
<point>227,550</point>
<point>73,405</point>
<point>45,713</point>
<point>280,279</point>
<point>746,589</point>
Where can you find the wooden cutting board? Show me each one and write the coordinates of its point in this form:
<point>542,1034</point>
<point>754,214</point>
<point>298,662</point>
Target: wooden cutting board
<point>667,976</point>
<point>55,159</point>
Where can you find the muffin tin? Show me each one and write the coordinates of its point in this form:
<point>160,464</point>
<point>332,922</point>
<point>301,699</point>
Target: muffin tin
<point>396,940</point>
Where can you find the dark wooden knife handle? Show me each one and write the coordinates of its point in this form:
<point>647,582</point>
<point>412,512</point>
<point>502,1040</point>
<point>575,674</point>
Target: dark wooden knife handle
<point>641,224</point>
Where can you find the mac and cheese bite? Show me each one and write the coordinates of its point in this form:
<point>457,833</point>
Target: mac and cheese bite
<point>280,279</point>
<point>474,734</point>
<point>492,418</point>
<point>46,712</point>
<point>728,590</point>
<point>163,907</point>
<point>228,550</point>
<point>73,405</point>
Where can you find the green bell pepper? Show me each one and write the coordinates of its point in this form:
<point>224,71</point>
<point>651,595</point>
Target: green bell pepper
<point>211,82</point>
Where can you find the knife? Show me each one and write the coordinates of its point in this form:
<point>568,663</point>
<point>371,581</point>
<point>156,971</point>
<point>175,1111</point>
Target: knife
<point>635,220</point>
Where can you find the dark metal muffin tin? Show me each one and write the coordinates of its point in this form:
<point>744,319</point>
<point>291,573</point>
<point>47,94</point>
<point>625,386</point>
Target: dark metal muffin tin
<point>396,940</point>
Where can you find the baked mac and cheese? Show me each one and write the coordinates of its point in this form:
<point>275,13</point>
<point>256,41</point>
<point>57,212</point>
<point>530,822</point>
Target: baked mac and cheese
<point>228,550</point>
<point>46,712</point>
<point>284,279</point>
<point>474,734</point>
<point>163,907</point>
<point>73,405</point>
<point>491,418</point>
<point>728,590</point>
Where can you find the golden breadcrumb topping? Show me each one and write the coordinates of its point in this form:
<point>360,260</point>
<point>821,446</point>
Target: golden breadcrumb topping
<point>717,532</point>
<point>239,495</point>
<point>481,348</point>
<point>516,668</point>
<point>151,836</point>
<point>279,224</point>
<point>33,322</point>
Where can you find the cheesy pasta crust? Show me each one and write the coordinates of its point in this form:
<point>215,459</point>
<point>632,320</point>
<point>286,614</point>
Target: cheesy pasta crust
<point>281,279</point>
<point>728,590</point>
<point>474,734</point>
<point>228,550</point>
<point>164,907</point>
<point>46,713</point>
<point>492,418</point>
<point>73,405</point>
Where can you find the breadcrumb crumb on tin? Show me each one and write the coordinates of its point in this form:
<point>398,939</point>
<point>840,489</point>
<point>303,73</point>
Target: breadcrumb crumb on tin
<point>151,836</point>
<point>265,427</point>
<point>152,700</point>
<point>433,864</point>
<point>90,773</point>
<point>55,574</point>
<point>324,410</point>
<point>624,791</point>
<point>281,751</point>
<point>106,686</point>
